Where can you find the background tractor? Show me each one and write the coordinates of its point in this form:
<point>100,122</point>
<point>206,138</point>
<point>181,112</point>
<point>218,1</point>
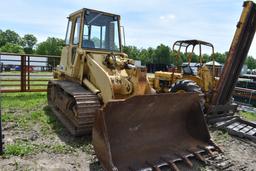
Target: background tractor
<point>188,77</point>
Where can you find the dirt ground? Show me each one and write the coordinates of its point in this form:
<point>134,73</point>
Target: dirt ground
<point>35,140</point>
<point>239,154</point>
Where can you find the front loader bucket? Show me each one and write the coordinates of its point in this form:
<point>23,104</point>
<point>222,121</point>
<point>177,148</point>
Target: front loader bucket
<point>151,131</point>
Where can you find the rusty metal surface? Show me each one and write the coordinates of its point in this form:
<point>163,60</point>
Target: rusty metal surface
<point>1,132</point>
<point>73,105</point>
<point>237,54</point>
<point>187,43</point>
<point>250,94</point>
<point>23,74</point>
<point>151,131</point>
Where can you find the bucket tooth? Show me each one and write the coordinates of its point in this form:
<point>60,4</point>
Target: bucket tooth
<point>197,155</point>
<point>216,147</point>
<point>171,164</point>
<point>186,160</point>
<point>154,168</point>
<point>206,149</point>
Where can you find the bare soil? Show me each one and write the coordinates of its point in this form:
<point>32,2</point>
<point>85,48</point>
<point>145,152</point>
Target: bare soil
<point>238,154</point>
<point>39,142</point>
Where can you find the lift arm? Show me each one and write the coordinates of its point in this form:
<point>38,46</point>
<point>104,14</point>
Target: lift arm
<point>237,54</point>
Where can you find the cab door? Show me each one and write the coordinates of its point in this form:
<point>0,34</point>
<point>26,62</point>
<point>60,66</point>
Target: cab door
<point>72,42</point>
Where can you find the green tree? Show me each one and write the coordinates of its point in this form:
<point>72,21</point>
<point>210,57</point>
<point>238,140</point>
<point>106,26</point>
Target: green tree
<point>251,62</point>
<point>132,51</point>
<point>145,56</point>
<point>52,46</point>
<point>28,43</point>
<point>195,58</point>
<point>221,58</point>
<point>206,58</point>
<point>173,55</point>
<point>162,55</point>
<point>9,36</point>
<point>150,57</point>
<point>11,48</point>
<point>2,38</point>
<point>176,59</point>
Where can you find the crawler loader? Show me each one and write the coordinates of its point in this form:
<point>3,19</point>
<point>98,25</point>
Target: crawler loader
<point>99,90</point>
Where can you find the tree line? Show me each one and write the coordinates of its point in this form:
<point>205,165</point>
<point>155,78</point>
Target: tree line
<point>163,54</point>
<point>12,42</point>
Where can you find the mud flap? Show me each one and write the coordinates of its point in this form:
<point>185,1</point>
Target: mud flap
<point>148,132</point>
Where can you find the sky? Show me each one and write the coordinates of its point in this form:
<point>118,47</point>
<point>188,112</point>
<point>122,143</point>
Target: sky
<point>147,23</point>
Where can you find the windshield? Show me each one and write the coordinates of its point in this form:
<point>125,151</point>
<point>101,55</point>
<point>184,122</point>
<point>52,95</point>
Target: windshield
<point>101,31</point>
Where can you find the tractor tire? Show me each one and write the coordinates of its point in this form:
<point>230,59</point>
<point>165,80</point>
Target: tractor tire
<point>188,86</point>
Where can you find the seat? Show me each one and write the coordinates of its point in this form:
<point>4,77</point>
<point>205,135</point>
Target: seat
<point>88,44</point>
<point>187,70</point>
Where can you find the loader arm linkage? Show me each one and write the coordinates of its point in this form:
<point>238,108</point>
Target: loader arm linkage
<point>221,114</point>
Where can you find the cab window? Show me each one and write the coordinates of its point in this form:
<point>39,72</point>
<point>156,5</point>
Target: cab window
<point>67,39</point>
<point>77,31</point>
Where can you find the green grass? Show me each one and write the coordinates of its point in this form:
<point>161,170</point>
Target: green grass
<point>61,149</point>
<point>27,109</point>
<point>19,148</point>
<point>248,116</point>
<point>220,136</point>
<point>22,102</point>
<point>25,148</point>
<point>24,111</point>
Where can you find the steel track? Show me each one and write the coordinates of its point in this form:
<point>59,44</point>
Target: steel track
<point>73,105</point>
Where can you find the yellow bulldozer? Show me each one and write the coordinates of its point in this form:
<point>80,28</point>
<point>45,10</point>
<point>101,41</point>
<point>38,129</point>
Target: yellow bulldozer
<point>97,87</point>
<point>98,90</point>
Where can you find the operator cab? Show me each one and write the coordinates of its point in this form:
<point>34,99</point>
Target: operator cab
<point>94,30</point>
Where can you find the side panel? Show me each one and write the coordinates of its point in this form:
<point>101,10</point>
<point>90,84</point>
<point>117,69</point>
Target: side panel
<point>64,62</point>
<point>100,79</point>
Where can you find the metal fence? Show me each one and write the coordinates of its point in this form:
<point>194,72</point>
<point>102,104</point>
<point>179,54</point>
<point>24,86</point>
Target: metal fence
<point>245,91</point>
<point>30,73</point>
<point>26,72</point>
<point>245,95</point>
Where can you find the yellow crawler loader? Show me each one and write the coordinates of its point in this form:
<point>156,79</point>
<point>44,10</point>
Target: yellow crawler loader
<point>97,87</point>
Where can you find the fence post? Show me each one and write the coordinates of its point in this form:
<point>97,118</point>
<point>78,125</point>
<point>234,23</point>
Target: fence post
<point>23,74</point>
<point>1,132</point>
<point>28,68</point>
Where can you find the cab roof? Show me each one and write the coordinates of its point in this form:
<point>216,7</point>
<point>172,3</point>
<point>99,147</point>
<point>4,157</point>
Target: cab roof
<point>92,10</point>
